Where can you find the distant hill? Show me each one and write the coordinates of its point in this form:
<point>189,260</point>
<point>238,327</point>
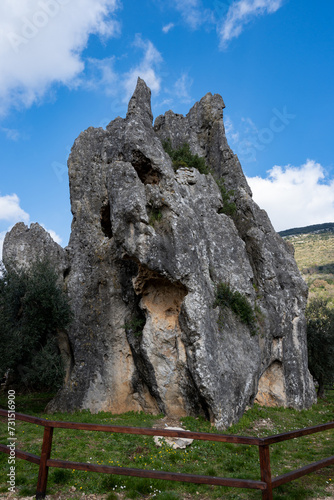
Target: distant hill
<point>316,228</point>
<point>314,254</point>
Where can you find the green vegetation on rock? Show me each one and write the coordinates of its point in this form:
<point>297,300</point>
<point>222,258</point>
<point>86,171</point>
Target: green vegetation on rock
<point>155,216</point>
<point>135,326</point>
<point>229,207</point>
<point>238,303</point>
<point>183,157</point>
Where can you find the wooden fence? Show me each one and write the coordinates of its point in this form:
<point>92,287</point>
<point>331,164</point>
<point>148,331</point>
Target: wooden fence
<point>266,485</point>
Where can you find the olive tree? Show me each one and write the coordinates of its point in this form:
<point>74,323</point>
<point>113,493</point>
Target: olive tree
<point>320,339</point>
<point>33,310</point>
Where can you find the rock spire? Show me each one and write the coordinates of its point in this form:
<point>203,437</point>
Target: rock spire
<point>148,248</point>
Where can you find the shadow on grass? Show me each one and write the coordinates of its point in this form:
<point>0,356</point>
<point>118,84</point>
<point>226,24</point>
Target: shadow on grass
<point>29,403</point>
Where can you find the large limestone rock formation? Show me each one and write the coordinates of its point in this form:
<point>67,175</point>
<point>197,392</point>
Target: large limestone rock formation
<point>148,247</point>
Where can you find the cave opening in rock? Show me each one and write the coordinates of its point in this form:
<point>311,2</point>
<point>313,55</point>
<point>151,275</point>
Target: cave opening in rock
<point>66,272</point>
<point>162,346</point>
<point>105,220</point>
<point>144,168</point>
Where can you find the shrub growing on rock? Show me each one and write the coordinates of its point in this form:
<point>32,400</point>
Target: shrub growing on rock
<point>237,302</point>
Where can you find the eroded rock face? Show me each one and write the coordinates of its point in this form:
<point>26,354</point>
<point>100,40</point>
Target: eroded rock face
<point>24,245</point>
<point>147,248</point>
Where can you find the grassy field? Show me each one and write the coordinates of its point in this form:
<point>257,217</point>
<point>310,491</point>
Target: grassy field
<point>201,457</point>
<point>314,254</point>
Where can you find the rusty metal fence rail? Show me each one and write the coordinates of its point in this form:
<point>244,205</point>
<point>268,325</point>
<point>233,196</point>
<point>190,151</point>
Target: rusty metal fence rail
<point>265,485</point>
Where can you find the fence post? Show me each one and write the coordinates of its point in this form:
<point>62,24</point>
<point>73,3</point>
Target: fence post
<point>43,468</point>
<point>266,471</point>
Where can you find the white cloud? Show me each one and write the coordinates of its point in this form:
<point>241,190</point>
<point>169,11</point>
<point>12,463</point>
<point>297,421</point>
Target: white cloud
<point>228,16</point>
<point>10,210</point>
<point>146,69</point>
<point>168,27</point>
<point>101,74</point>
<point>167,102</point>
<point>295,196</point>
<point>182,88</point>
<point>190,11</point>
<point>232,135</point>
<point>193,12</point>
<point>41,43</point>
<point>240,13</point>
<point>11,133</point>
<point>249,126</point>
<point>53,235</point>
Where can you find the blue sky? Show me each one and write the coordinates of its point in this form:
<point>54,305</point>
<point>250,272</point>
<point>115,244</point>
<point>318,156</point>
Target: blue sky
<point>66,65</point>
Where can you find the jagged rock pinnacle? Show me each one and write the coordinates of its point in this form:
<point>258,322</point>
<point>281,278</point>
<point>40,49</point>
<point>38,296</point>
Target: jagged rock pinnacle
<point>148,248</point>
<point>140,102</point>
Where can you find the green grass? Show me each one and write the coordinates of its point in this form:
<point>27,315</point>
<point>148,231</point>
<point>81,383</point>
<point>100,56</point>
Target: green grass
<point>201,457</point>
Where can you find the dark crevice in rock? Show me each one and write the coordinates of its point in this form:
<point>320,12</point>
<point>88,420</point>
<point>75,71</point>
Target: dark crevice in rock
<point>128,270</point>
<point>66,353</point>
<point>244,225</point>
<point>255,258</point>
<point>105,220</point>
<point>145,371</point>
<point>144,169</point>
<point>144,375</point>
<point>66,272</point>
<point>199,405</point>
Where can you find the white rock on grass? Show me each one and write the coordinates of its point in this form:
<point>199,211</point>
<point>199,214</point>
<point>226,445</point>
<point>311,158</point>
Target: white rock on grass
<point>173,442</point>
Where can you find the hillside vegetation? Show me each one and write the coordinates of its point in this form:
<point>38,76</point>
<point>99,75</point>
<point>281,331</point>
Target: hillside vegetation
<point>327,226</point>
<point>314,254</point>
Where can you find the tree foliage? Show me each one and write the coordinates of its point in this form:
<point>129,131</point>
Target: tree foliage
<point>33,309</point>
<point>320,339</point>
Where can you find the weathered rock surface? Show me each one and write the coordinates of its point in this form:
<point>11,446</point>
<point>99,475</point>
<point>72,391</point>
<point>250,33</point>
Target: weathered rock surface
<point>147,248</point>
<point>24,245</point>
